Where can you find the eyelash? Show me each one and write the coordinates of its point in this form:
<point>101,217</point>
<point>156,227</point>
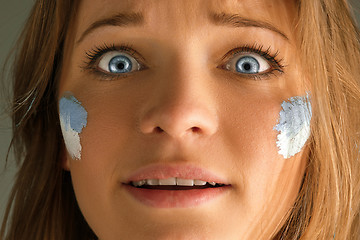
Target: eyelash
<point>273,60</point>
<point>95,53</point>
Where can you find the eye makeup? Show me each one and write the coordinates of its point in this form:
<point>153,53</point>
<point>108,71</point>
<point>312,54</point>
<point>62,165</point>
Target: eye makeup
<point>294,125</point>
<point>73,118</point>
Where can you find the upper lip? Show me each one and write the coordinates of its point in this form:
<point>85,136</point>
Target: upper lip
<point>164,171</point>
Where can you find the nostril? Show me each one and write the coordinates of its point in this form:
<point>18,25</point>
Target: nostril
<point>195,130</point>
<point>178,122</point>
<point>158,130</point>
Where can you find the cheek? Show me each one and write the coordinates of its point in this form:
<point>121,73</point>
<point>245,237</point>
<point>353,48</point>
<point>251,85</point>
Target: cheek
<point>267,143</point>
<point>266,129</point>
<point>250,132</point>
<point>107,141</point>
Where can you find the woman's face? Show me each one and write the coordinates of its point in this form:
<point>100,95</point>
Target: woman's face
<point>181,91</point>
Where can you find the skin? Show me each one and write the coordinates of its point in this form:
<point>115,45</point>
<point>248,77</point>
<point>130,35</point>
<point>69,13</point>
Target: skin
<point>183,89</point>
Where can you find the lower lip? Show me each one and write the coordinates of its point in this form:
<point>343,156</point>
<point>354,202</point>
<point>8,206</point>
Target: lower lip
<point>175,198</point>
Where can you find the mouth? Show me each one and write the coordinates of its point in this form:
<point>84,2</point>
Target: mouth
<point>175,186</point>
<point>174,183</point>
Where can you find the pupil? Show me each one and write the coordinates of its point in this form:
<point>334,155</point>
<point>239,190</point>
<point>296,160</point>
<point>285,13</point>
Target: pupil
<point>247,66</point>
<point>121,66</point>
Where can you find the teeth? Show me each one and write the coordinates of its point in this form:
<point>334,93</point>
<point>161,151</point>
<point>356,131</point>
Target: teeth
<point>199,183</point>
<point>184,182</point>
<point>168,181</point>
<point>152,181</point>
<point>139,183</point>
<point>171,181</point>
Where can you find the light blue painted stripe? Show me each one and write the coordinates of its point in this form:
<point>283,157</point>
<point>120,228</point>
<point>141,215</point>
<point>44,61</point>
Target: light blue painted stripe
<point>71,110</point>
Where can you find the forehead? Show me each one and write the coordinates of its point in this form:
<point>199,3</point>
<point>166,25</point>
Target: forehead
<point>189,14</point>
<point>188,5</point>
<point>185,6</point>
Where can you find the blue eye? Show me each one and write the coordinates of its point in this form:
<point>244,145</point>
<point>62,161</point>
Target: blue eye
<point>248,63</point>
<point>120,64</point>
<point>117,62</point>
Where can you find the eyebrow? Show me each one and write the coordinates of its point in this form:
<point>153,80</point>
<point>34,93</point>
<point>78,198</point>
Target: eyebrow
<point>119,20</point>
<point>220,19</point>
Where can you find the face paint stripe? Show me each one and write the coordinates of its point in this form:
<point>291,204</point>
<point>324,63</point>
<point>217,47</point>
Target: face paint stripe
<point>294,125</point>
<point>73,118</point>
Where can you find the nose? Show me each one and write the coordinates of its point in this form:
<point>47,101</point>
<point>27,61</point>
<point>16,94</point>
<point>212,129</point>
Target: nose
<point>181,105</point>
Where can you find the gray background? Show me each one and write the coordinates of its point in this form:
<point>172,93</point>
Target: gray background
<point>12,16</point>
<point>13,13</point>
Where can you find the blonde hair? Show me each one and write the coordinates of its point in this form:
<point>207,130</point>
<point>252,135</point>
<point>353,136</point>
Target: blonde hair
<point>328,203</point>
<point>42,204</point>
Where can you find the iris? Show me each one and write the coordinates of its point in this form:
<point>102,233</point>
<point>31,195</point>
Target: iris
<point>247,65</point>
<point>120,64</point>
